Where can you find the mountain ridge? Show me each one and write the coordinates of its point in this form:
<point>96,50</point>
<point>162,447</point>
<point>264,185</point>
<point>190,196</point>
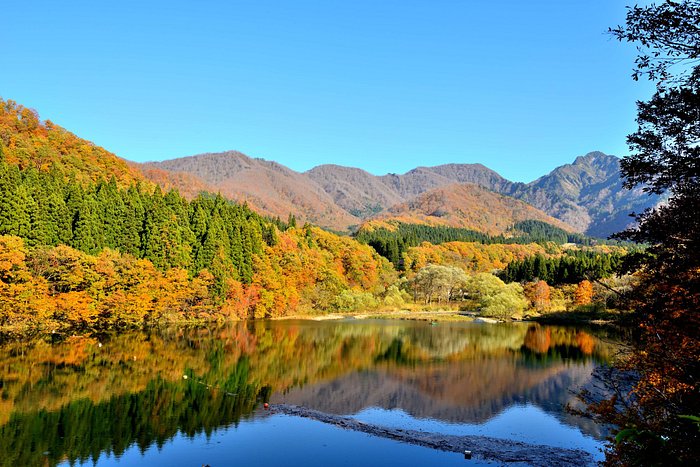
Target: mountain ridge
<point>269,186</point>
<point>586,194</point>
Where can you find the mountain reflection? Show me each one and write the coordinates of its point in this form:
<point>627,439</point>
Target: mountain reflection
<point>76,399</point>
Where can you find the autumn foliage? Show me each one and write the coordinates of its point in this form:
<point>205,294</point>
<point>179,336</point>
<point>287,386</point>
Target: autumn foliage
<point>56,288</point>
<point>538,293</point>
<point>473,257</point>
<point>583,295</point>
<point>29,142</point>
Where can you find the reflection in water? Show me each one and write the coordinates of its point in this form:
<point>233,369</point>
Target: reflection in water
<point>77,399</point>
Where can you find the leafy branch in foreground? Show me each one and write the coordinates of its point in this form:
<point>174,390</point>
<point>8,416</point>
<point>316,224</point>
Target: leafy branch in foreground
<point>657,421</point>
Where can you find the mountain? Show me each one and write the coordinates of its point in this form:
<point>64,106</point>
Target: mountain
<point>586,194</point>
<point>143,255</point>
<point>467,206</point>
<point>358,192</point>
<point>267,186</point>
<point>476,174</point>
<point>187,184</point>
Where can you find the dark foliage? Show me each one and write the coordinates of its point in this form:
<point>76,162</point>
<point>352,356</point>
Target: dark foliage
<point>82,430</point>
<point>659,420</point>
<point>46,208</point>
<point>571,268</point>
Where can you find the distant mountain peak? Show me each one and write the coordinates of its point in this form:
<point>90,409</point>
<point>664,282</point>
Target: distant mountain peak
<point>586,194</point>
<point>598,159</point>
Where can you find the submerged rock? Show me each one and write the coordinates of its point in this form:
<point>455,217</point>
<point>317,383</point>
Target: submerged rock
<point>489,449</point>
<point>486,320</point>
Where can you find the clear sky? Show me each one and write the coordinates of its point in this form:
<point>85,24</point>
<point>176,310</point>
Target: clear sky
<point>385,85</point>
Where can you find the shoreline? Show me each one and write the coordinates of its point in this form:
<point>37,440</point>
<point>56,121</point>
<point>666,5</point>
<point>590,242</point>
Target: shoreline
<point>612,319</point>
<point>424,315</point>
<point>606,319</point>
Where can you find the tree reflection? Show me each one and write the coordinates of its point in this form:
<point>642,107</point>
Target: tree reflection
<point>85,396</point>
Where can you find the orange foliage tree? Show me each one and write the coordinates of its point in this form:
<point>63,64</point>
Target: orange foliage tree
<point>539,294</point>
<point>583,295</point>
<point>63,288</point>
<point>473,257</point>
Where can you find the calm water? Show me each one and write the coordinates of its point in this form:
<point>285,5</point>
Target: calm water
<point>194,396</point>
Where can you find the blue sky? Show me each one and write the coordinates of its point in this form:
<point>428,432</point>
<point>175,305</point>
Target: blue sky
<point>385,85</point>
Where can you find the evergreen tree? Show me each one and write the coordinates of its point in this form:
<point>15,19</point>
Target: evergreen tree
<point>162,240</point>
<point>111,211</point>
<point>87,227</point>
<point>14,203</point>
<point>132,222</point>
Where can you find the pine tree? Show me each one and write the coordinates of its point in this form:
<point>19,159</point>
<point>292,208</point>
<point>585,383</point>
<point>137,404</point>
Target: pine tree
<point>112,212</point>
<point>132,222</point>
<point>162,240</point>
<point>15,203</point>
<point>87,228</point>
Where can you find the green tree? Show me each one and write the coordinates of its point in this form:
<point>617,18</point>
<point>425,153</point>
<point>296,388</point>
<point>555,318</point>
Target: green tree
<point>507,302</point>
<point>494,297</point>
<point>112,212</point>
<point>163,239</point>
<point>87,227</point>
<point>132,222</point>
<point>14,203</point>
<point>441,283</point>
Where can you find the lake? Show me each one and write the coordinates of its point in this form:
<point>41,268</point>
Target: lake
<point>195,396</point>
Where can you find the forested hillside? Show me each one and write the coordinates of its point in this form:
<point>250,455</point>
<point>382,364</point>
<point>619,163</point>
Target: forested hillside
<point>392,238</point>
<point>82,251</point>
<point>26,141</point>
<point>469,207</point>
<point>99,256</point>
<point>86,243</point>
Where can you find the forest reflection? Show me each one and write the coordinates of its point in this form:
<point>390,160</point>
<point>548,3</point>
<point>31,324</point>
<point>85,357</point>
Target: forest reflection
<point>76,399</point>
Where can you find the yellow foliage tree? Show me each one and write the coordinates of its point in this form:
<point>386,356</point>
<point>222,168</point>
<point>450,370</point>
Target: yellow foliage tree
<point>583,295</point>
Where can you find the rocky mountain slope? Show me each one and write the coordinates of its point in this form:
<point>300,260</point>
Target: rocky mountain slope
<point>355,190</point>
<point>586,194</point>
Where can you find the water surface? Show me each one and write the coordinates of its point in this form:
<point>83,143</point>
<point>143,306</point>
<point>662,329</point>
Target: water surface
<point>194,396</point>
